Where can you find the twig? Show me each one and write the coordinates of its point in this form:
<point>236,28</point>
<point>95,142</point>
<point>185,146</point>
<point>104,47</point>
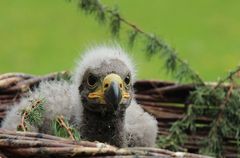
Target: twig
<point>25,114</point>
<point>10,75</point>
<point>60,120</point>
<point>22,125</point>
<point>25,85</point>
<point>230,76</point>
<point>7,82</point>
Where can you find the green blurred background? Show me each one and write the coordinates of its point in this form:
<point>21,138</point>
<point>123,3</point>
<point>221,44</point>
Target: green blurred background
<point>40,37</point>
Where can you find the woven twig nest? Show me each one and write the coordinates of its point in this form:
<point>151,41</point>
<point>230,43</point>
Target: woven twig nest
<point>28,144</point>
<point>165,100</point>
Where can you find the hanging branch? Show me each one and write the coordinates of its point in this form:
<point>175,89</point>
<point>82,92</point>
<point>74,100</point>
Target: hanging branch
<point>217,103</point>
<point>173,63</point>
<point>228,77</point>
<point>215,146</point>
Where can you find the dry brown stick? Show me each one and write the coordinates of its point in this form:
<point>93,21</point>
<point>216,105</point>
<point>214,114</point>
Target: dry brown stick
<point>170,153</point>
<point>165,107</point>
<point>9,75</point>
<point>25,85</point>
<point>6,102</point>
<point>163,98</point>
<point>30,143</point>
<point>169,105</point>
<point>156,82</point>
<point>39,136</point>
<point>70,151</point>
<point>22,125</point>
<point>160,114</point>
<point>163,151</point>
<point>7,96</point>
<point>144,85</point>
<point>3,137</point>
<point>172,88</point>
<point>2,155</point>
<point>4,106</point>
<point>152,98</point>
<point>32,134</point>
<point>2,113</point>
<point>8,82</point>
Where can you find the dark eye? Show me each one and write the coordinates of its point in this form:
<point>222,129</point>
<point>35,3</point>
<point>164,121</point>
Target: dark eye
<point>127,80</point>
<point>92,80</point>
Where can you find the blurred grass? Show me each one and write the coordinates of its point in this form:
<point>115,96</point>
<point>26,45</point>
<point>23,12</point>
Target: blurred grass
<point>39,37</point>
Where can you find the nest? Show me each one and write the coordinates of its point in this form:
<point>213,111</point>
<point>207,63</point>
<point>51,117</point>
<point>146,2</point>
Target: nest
<point>165,100</point>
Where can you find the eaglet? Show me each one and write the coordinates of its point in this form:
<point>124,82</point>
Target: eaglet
<point>99,101</point>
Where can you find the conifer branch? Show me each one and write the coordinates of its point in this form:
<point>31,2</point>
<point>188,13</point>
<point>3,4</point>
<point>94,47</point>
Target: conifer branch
<point>31,115</point>
<point>173,63</point>
<point>62,128</point>
<point>177,137</point>
<point>215,146</point>
<point>228,77</point>
<point>222,126</point>
<point>62,123</point>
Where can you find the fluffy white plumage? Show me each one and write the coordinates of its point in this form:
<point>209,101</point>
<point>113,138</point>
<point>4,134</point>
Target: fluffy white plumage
<point>94,56</point>
<point>62,98</point>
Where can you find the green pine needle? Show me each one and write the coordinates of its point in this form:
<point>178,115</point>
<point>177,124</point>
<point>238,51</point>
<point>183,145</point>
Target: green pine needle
<point>32,115</point>
<point>61,131</point>
<point>132,35</point>
<point>115,22</point>
<point>35,116</point>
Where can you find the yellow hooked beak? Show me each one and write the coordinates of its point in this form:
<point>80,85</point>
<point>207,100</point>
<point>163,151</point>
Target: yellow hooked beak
<point>111,91</point>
